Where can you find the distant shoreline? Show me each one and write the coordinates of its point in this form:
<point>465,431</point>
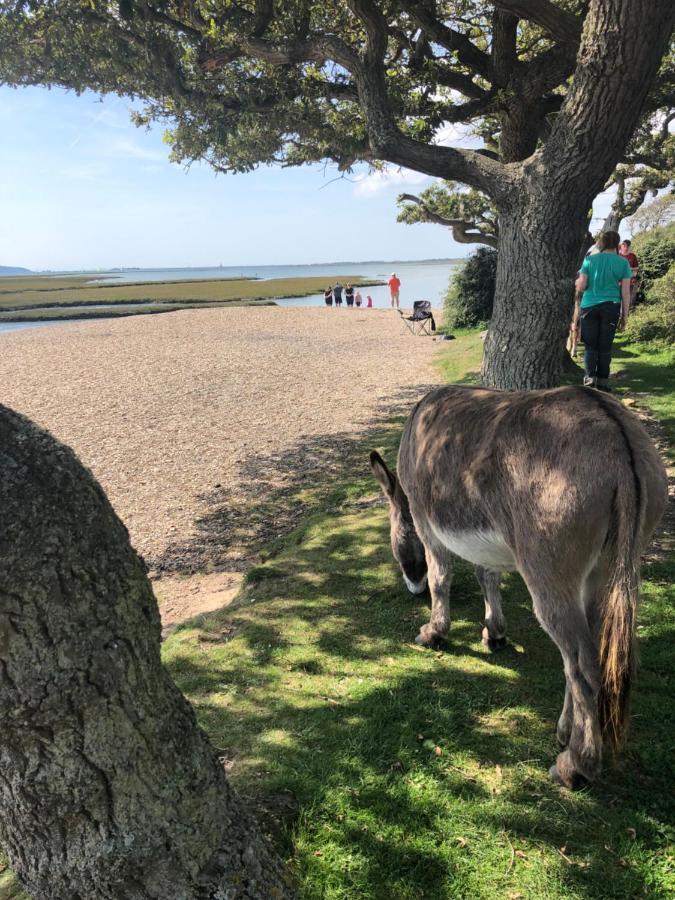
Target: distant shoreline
<point>347,262</point>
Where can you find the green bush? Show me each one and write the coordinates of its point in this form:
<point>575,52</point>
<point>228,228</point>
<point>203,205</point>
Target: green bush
<point>470,295</point>
<point>654,320</point>
<point>655,251</point>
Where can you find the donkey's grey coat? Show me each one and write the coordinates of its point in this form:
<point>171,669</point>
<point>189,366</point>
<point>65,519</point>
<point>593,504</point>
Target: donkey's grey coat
<point>566,487</point>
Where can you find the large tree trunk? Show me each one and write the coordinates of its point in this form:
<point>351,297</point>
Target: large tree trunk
<point>539,254</point>
<point>108,788</point>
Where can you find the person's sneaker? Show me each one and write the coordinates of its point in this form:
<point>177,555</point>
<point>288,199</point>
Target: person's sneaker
<point>589,382</point>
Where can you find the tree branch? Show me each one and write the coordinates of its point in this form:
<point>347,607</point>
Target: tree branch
<point>467,52</point>
<point>375,25</point>
<point>561,25</point>
<point>546,71</point>
<point>317,49</point>
<point>456,81</point>
<point>264,12</point>
<point>460,228</point>
<point>504,56</point>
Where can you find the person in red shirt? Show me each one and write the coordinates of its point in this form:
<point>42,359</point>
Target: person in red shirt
<point>394,287</point>
<point>625,251</point>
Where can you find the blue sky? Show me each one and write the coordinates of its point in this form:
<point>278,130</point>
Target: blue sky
<point>82,188</point>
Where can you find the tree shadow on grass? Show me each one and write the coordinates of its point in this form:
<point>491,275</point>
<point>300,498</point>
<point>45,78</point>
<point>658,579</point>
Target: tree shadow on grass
<point>318,694</point>
<point>278,489</point>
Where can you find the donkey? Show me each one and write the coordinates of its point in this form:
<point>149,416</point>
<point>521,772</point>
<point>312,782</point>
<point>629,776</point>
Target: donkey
<point>564,486</point>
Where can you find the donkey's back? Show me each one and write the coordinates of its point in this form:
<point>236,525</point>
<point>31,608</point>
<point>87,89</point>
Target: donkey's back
<point>505,470</point>
<point>563,485</point>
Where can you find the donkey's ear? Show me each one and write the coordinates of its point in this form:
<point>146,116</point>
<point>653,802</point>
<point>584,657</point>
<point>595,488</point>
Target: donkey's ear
<point>386,478</point>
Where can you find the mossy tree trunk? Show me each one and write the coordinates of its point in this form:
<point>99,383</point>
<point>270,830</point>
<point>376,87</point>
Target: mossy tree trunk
<point>108,788</point>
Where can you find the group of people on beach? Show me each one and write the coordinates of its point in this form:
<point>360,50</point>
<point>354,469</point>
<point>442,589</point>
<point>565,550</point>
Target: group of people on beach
<point>606,292</point>
<point>333,294</point>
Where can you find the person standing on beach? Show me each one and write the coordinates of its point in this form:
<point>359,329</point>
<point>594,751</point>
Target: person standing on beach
<point>358,299</point>
<point>349,296</point>
<point>328,295</point>
<point>369,301</point>
<point>337,294</point>
<point>394,288</point>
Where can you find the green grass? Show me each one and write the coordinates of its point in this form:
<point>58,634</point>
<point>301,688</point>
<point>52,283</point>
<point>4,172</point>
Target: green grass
<point>459,363</point>
<point>385,771</point>
<point>649,374</point>
<point>33,293</point>
<point>9,887</point>
<point>331,719</point>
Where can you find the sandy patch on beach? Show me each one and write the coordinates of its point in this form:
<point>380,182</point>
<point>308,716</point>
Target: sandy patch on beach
<point>183,416</point>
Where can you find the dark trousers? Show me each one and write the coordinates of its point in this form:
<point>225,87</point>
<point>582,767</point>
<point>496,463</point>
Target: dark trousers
<point>598,326</point>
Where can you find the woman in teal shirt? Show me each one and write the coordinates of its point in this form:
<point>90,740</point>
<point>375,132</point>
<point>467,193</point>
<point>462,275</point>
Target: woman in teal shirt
<point>605,281</point>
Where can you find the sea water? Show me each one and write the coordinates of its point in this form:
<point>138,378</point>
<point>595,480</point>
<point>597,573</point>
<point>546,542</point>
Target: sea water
<point>421,280</point>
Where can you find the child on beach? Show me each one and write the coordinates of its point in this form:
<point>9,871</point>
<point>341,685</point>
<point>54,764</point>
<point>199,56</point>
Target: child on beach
<point>369,301</point>
<point>357,298</point>
<point>328,295</point>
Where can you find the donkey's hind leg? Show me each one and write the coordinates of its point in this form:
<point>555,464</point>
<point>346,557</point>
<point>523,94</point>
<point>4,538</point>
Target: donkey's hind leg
<point>591,590</point>
<point>562,615</point>
<point>494,632</point>
<point>439,562</point>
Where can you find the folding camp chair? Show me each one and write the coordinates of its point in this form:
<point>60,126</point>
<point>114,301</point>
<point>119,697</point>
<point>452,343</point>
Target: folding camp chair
<point>421,321</point>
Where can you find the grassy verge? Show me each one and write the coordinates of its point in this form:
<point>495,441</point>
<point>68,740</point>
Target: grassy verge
<point>81,292</point>
<point>648,373</point>
<point>400,773</point>
<point>459,363</point>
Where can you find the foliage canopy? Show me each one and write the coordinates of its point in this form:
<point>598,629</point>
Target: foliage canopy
<point>244,83</point>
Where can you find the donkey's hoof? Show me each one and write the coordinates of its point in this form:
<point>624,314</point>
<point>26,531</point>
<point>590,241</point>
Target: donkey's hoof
<point>570,779</point>
<point>493,644</point>
<point>431,639</point>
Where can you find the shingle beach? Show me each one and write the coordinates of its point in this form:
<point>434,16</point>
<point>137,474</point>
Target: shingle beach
<point>174,413</point>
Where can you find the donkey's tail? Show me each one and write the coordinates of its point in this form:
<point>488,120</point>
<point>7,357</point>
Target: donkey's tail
<point>619,605</point>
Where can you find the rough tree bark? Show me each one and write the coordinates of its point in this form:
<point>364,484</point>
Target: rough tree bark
<point>108,788</point>
<point>538,252</point>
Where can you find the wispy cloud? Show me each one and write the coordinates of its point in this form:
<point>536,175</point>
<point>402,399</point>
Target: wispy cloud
<point>390,176</point>
<point>123,148</point>
<point>110,118</point>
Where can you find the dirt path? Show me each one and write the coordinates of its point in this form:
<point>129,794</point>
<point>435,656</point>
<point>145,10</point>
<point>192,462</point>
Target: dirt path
<point>183,417</point>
